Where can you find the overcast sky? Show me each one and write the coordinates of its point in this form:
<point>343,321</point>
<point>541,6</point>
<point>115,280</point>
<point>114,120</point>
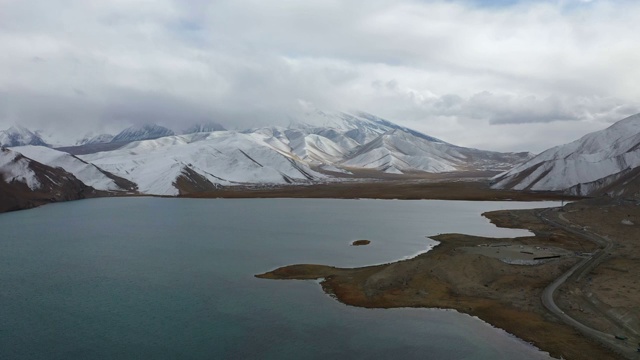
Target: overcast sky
<point>491,74</point>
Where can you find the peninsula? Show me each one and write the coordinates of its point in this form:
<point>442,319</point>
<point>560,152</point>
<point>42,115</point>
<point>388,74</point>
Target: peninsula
<point>493,280</point>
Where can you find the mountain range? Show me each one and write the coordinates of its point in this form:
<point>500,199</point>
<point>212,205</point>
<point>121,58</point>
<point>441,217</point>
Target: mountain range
<point>319,147</point>
<point>20,136</point>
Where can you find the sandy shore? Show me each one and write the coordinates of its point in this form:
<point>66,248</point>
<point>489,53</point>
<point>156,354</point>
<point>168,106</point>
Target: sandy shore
<point>458,275</point>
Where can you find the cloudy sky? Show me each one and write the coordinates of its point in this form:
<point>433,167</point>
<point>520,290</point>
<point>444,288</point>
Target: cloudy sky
<point>492,74</point>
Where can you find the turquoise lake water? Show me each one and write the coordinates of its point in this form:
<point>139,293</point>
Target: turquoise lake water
<point>152,278</point>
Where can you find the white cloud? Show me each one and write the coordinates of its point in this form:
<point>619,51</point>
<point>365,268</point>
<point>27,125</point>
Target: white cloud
<point>450,69</point>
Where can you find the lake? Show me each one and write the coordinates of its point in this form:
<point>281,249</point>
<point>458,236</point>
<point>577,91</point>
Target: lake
<point>154,278</point>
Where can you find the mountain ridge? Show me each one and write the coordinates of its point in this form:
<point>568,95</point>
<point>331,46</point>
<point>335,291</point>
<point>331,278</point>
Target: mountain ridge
<point>89,174</point>
<point>582,167</point>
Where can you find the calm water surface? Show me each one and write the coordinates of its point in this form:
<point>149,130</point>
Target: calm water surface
<point>152,278</point>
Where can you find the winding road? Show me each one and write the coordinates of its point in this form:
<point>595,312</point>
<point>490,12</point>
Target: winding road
<point>582,268</point>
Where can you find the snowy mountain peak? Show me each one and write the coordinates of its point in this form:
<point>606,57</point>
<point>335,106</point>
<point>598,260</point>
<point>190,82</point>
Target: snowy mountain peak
<point>391,125</point>
<point>19,136</point>
<point>361,127</point>
<point>144,132</point>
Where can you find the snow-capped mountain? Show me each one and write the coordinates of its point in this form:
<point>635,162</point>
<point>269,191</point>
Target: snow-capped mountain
<point>363,141</point>
<point>89,174</point>
<point>92,138</point>
<point>206,127</point>
<point>311,148</point>
<point>603,161</point>
<point>175,165</point>
<point>315,146</point>
<point>20,136</point>
<point>344,128</point>
<point>398,151</point>
<point>145,132</point>
<point>306,144</point>
<point>26,183</point>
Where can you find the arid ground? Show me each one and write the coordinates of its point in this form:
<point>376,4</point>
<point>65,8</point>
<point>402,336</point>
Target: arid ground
<point>440,187</point>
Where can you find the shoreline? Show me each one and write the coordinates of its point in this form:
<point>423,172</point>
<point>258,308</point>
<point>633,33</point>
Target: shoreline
<point>504,295</point>
<point>404,189</point>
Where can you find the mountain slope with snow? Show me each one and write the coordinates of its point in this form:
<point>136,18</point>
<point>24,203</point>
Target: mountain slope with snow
<point>399,151</point>
<point>583,167</point>
<point>26,183</point>
<point>360,128</point>
<point>89,174</point>
<point>20,136</point>
<point>363,141</point>
<point>220,159</point>
<point>145,132</point>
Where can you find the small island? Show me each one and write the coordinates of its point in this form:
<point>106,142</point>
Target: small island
<point>361,242</point>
